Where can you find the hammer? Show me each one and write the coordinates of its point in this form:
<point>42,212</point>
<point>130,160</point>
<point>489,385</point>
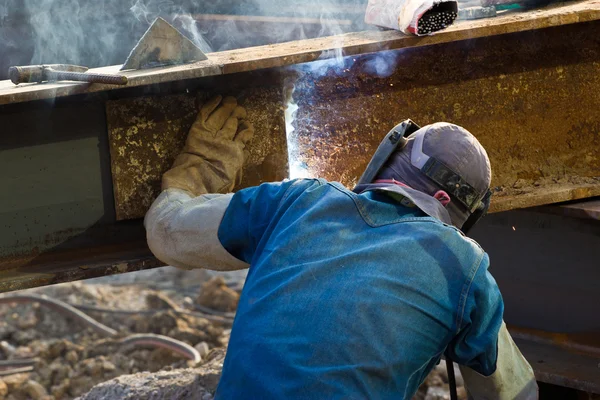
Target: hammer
<point>61,72</point>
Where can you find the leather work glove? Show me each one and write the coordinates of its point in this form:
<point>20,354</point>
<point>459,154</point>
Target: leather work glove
<point>213,156</point>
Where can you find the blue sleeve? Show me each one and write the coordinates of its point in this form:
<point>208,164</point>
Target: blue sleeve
<point>251,211</point>
<point>476,343</point>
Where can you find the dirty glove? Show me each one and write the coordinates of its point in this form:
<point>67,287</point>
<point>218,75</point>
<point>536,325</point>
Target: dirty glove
<point>213,156</point>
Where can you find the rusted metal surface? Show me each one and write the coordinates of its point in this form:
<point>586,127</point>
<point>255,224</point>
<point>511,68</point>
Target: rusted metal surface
<point>284,54</point>
<point>146,133</point>
<point>546,265</point>
<point>527,97</point>
<point>559,366</point>
<point>587,209</point>
<point>77,265</point>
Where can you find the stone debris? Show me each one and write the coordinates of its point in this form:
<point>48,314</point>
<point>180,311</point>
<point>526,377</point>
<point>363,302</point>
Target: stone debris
<point>216,295</point>
<point>202,348</point>
<point>35,390</point>
<point>188,383</point>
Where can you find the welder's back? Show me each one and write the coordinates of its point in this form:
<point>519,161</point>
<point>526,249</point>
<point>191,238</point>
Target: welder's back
<point>350,296</point>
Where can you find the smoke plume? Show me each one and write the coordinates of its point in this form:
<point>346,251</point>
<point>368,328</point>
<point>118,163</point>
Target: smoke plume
<point>99,33</point>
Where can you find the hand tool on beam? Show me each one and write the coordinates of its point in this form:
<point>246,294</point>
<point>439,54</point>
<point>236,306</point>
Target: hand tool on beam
<point>162,45</point>
<point>61,72</point>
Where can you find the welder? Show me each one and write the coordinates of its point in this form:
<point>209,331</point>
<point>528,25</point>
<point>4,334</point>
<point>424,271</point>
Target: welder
<point>350,294</point>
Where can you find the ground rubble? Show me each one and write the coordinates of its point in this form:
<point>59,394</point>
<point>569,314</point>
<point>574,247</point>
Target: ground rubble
<point>72,362</point>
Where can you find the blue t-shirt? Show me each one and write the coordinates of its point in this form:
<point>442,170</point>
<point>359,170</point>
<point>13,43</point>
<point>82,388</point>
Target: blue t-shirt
<point>350,296</point>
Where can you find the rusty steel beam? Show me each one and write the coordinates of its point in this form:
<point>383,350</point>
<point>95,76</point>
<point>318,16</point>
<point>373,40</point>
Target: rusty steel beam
<point>559,365</point>
<point>285,54</point>
<point>530,98</point>
<point>586,209</point>
<point>524,95</point>
<point>545,264</point>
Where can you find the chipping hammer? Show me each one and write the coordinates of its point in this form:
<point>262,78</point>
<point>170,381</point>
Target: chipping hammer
<point>61,72</point>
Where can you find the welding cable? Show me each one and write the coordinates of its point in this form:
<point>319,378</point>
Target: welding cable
<point>60,307</point>
<point>451,379</point>
<point>14,371</point>
<point>212,311</point>
<point>166,342</point>
<point>21,362</point>
<point>224,319</point>
<point>141,339</point>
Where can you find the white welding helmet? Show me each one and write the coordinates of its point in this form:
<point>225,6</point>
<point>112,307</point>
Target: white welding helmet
<point>440,156</point>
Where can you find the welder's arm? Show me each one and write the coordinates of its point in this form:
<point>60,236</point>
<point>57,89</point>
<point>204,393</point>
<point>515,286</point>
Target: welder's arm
<point>492,366</point>
<point>512,379</point>
<point>183,222</point>
<point>182,231</point>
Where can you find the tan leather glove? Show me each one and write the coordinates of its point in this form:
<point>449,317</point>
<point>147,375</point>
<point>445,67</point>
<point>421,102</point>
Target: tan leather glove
<point>213,156</point>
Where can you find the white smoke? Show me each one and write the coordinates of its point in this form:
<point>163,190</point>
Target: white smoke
<point>383,63</point>
<point>99,33</point>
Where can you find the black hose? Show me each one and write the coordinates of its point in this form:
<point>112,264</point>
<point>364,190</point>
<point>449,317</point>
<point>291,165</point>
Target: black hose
<point>451,379</point>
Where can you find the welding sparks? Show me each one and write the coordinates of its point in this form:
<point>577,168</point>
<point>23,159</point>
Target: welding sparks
<point>298,168</point>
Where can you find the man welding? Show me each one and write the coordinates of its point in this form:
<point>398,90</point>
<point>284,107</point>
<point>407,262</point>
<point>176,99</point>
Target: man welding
<point>350,294</point>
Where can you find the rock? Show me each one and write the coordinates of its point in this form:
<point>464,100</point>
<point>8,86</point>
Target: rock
<point>160,323</point>
<point>60,391</point>
<point>27,321</point>
<point>184,383</point>
<point>81,384</point>
<point>434,379</point>
<point>216,295</point>
<point>3,389</point>
<point>160,301</point>
<point>56,348</point>
<point>437,393</point>
<point>72,356</point>
<point>188,303</point>
<point>202,348</point>
<point>23,352</point>
<point>59,371</point>
<point>93,366</point>
<point>15,383</point>
<point>35,390</point>
<point>107,366</point>
<point>24,337</point>
<point>188,335</point>
<point>7,348</point>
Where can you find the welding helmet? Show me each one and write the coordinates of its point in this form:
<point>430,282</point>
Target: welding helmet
<point>455,163</point>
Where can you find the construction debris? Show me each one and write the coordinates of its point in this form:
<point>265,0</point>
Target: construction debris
<point>216,295</point>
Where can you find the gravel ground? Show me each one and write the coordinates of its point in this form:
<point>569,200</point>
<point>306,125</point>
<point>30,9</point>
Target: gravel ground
<point>74,362</point>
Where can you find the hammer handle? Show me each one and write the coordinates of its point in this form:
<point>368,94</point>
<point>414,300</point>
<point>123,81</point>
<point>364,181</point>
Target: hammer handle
<point>86,77</point>
<point>40,74</point>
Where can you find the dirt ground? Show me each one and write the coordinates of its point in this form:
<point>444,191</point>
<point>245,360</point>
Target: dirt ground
<point>74,362</point>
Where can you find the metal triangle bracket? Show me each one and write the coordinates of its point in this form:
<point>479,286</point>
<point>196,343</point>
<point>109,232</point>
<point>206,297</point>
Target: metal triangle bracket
<point>162,45</point>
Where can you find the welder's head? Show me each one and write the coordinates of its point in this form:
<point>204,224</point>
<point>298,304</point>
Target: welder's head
<point>444,157</point>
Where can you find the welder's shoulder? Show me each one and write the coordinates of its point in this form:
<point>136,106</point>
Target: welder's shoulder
<point>294,188</point>
<point>457,240</point>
